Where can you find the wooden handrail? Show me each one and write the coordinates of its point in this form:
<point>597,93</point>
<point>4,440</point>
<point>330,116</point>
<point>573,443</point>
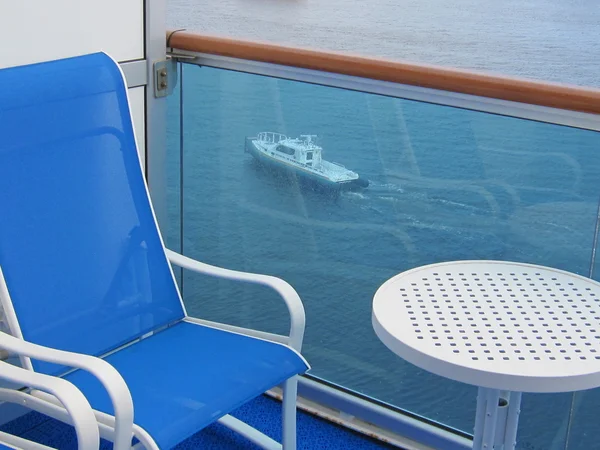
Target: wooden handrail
<point>554,95</point>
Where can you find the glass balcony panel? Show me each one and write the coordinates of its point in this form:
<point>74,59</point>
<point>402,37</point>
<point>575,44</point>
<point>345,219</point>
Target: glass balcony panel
<point>445,184</point>
<point>581,432</point>
<point>585,404</point>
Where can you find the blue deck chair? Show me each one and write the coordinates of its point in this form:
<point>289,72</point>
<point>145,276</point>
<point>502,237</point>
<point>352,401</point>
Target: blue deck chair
<point>74,407</point>
<point>86,282</point>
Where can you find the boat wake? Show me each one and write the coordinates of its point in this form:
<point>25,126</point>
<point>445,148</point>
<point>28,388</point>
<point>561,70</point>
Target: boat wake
<point>388,187</point>
<point>356,195</point>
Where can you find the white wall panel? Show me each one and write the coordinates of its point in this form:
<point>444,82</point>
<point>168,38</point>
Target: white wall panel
<point>41,30</point>
<point>137,99</point>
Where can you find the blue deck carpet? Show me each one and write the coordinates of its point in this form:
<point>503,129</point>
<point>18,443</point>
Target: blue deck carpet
<point>262,413</point>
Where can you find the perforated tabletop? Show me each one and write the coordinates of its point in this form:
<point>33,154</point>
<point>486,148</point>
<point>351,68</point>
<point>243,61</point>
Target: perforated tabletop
<point>500,325</point>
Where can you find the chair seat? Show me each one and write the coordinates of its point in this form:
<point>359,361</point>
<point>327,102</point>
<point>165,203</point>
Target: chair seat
<point>187,376</point>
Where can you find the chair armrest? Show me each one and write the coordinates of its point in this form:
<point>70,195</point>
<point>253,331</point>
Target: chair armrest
<point>79,409</point>
<point>112,381</point>
<point>287,292</point>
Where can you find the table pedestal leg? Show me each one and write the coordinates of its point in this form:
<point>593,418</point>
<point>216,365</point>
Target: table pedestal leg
<point>496,419</point>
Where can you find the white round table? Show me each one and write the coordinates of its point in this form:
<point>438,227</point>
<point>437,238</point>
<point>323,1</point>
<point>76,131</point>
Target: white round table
<point>505,327</point>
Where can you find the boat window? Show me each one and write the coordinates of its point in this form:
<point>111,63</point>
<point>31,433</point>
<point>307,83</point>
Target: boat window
<point>309,156</point>
<point>284,149</point>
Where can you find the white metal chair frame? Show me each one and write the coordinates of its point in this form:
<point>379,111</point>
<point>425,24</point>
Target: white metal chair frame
<point>120,428</point>
<point>68,405</point>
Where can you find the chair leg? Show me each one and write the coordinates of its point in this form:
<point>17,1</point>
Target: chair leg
<point>290,391</point>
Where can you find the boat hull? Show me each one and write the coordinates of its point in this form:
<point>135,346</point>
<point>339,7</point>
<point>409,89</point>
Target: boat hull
<point>305,177</point>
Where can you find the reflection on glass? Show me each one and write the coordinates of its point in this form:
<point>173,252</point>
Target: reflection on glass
<point>582,435</point>
<point>443,184</point>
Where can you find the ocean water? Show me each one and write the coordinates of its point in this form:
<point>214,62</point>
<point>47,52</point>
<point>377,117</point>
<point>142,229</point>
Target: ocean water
<point>555,40</point>
<point>446,183</point>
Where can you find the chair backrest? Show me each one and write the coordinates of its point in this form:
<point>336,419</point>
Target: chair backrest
<point>80,250</point>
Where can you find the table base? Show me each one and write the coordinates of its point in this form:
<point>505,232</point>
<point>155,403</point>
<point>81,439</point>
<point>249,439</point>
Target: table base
<point>496,419</point>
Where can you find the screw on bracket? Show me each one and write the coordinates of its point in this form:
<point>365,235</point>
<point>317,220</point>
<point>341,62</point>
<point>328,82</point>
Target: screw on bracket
<point>163,85</point>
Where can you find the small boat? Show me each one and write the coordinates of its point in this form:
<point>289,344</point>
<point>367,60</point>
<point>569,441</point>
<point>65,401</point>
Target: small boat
<point>303,157</point>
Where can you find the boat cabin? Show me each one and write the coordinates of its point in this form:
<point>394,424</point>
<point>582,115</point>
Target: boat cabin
<point>302,149</point>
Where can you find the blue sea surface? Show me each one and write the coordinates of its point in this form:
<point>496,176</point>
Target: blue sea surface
<point>446,184</point>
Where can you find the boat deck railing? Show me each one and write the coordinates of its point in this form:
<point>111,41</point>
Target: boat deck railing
<point>271,137</point>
